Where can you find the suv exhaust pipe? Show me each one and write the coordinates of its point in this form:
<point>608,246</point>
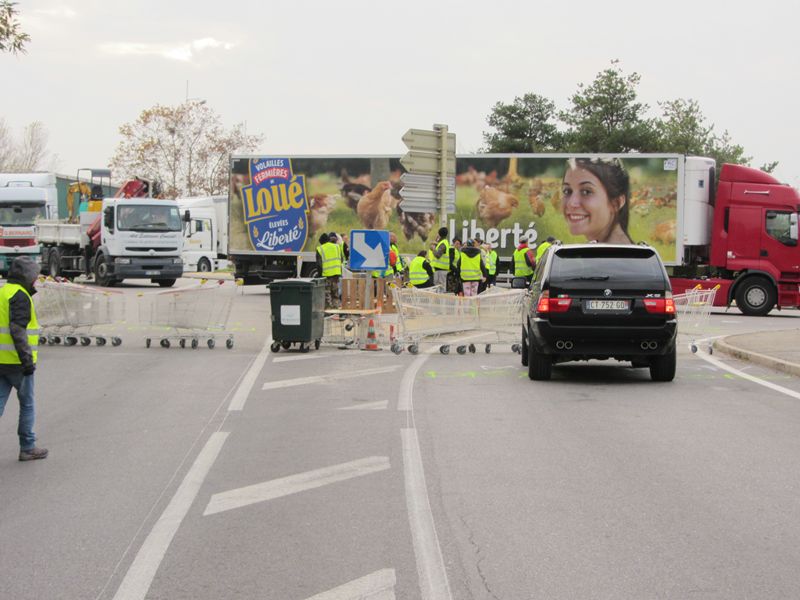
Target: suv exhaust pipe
<point>648,345</point>
<point>567,345</point>
<point>560,345</point>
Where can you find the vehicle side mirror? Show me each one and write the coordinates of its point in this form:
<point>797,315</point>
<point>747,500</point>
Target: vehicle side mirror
<point>519,283</point>
<point>108,217</point>
<point>187,216</point>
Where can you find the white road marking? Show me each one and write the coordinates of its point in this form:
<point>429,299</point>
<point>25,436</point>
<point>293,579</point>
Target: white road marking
<point>240,397</point>
<point>376,586</point>
<point>743,375</point>
<point>141,572</point>
<point>379,405</point>
<point>277,488</point>
<point>430,564</point>
<point>284,383</point>
<point>313,355</point>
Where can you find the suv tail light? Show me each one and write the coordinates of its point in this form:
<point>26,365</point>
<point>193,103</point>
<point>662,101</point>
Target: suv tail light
<point>553,305</point>
<point>661,306</point>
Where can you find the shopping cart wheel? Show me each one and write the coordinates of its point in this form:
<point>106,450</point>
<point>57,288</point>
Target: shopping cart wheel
<point>515,348</point>
<point>70,340</point>
<point>693,348</point>
<point>211,343</point>
<point>349,326</point>
<point>195,343</point>
<point>182,343</point>
<point>488,348</point>
<point>444,349</point>
<point>86,341</point>
<point>42,340</point>
<point>413,349</point>
<point>304,348</point>
<point>471,348</point>
<point>275,346</point>
<point>101,341</point>
<point>164,343</point>
<point>396,348</point>
<point>710,349</point>
<point>147,342</point>
<point>229,343</point>
<point>54,339</point>
<point>461,349</point>
<point>115,341</point>
<point>286,345</point>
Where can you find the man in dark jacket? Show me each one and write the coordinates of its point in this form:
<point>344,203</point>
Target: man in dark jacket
<point>19,341</point>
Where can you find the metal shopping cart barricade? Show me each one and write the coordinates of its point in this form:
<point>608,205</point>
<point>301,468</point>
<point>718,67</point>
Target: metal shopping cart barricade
<point>693,309</point>
<point>427,316</point>
<point>72,313</point>
<point>189,315</point>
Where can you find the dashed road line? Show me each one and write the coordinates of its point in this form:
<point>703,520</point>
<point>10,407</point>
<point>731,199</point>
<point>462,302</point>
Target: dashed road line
<point>375,586</point>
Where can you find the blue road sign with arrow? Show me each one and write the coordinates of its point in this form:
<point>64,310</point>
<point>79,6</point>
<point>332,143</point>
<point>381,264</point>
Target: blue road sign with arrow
<point>369,250</point>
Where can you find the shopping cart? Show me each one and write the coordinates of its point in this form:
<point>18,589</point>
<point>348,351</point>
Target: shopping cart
<point>189,315</point>
<point>693,309</point>
<point>427,316</point>
<point>76,313</point>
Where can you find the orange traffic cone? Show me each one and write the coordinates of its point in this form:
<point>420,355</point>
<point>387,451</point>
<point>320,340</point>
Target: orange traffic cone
<point>372,343</point>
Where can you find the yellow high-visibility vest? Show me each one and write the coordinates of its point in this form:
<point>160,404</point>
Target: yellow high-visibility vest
<point>331,259</point>
<point>443,262</point>
<point>491,263</point>
<point>470,267</point>
<point>417,274</point>
<point>8,352</point>
<point>521,268</point>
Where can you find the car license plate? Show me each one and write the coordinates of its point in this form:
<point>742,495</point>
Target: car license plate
<point>152,272</point>
<point>607,304</point>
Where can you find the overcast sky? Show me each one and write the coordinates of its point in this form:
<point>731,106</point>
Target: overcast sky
<point>349,77</point>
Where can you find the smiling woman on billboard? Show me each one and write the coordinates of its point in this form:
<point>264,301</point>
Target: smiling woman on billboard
<point>594,199</point>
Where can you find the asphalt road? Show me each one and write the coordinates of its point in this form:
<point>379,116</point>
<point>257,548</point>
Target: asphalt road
<point>205,474</point>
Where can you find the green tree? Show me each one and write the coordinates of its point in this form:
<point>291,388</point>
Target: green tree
<point>183,147</point>
<point>12,38</point>
<point>605,115</point>
<point>683,128</point>
<point>526,125</point>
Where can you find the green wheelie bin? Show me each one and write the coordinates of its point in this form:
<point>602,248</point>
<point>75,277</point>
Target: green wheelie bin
<point>298,313</point>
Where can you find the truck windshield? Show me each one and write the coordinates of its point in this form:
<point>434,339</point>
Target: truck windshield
<point>21,214</point>
<point>148,218</point>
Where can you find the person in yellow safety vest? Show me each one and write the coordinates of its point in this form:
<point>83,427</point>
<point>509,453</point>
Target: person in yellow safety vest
<point>471,268</point>
<point>420,272</point>
<point>440,259</point>
<point>542,248</point>
<point>19,341</point>
<point>490,260</point>
<point>399,265</point>
<point>340,241</point>
<point>524,261</point>
<point>453,278</point>
<point>329,265</point>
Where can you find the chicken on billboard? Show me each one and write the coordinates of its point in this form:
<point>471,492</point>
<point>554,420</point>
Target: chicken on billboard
<point>501,199</point>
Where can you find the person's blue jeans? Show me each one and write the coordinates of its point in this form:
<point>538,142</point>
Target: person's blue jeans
<point>24,386</point>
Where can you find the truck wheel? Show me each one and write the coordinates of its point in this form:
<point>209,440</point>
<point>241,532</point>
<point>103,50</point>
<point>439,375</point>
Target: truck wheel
<point>203,265</point>
<point>166,282</point>
<point>54,262</point>
<point>101,272</point>
<point>755,296</point>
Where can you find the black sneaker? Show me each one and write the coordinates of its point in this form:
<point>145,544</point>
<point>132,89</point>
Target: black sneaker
<point>33,454</point>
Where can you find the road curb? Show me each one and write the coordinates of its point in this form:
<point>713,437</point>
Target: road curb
<point>770,362</point>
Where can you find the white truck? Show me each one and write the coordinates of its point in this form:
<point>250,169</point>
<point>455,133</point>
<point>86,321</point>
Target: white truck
<point>25,199</point>
<point>130,238</point>
<point>205,244</point>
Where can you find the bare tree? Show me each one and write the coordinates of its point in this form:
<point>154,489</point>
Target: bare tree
<point>12,38</point>
<point>184,147</point>
<point>29,153</point>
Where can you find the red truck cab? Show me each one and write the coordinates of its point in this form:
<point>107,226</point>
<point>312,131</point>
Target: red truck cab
<point>754,239</point>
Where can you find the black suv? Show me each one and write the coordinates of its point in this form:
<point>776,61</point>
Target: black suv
<point>600,301</point>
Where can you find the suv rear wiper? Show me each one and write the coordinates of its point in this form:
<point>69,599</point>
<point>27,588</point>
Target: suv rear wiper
<point>592,278</point>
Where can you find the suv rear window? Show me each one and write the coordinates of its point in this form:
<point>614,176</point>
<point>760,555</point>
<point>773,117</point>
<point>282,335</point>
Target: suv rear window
<point>629,265</point>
